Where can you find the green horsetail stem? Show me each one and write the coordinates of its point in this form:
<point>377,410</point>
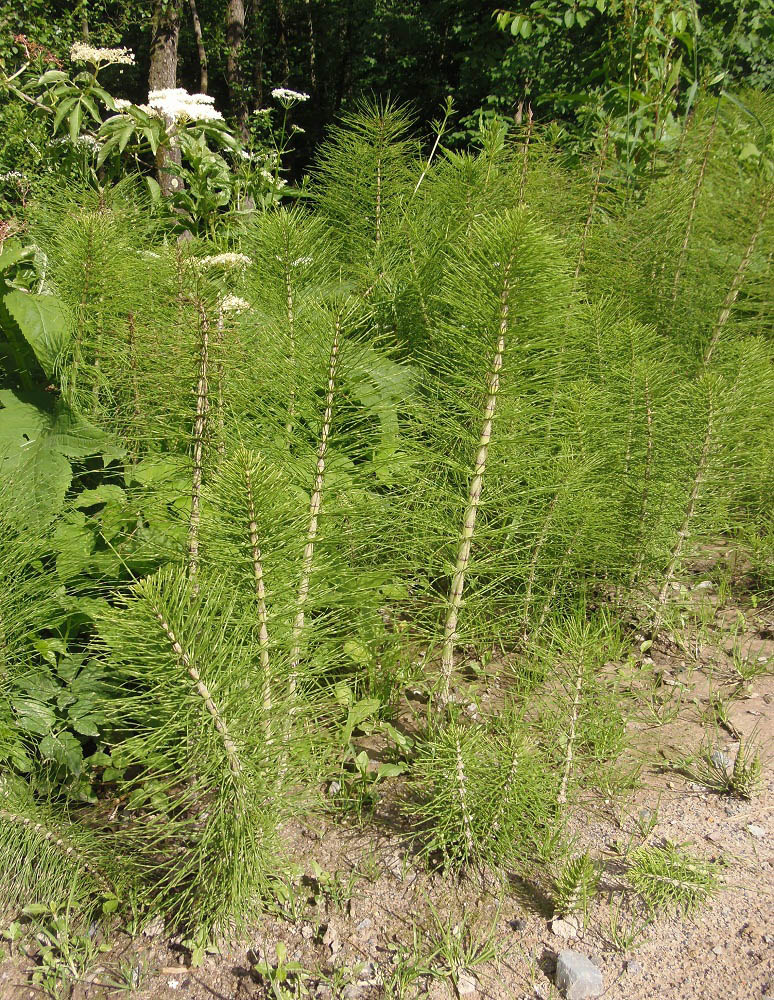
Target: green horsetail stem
<point>474,493</point>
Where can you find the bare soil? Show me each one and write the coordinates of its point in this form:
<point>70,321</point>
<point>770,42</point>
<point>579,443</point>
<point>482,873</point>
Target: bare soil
<point>348,942</point>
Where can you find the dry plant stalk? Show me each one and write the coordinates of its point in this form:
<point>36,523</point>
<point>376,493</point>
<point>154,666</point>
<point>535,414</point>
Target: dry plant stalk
<point>569,756</point>
<point>736,284</point>
<point>260,596</point>
<point>203,691</point>
<point>593,204</point>
<point>199,430</point>
<point>474,494</point>
<point>692,213</point>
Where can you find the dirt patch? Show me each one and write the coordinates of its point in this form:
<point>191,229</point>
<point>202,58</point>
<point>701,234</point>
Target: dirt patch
<point>366,918</point>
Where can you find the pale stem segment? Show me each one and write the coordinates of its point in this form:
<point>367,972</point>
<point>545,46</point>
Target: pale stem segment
<point>569,756</point>
<point>204,693</point>
<point>474,495</point>
<point>690,509</point>
<point>260,599</point>
<point>736,284</point>
<point>199,430</point>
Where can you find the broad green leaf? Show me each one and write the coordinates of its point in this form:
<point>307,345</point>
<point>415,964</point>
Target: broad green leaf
<point>75,121</point>
<point>61,111</point>
<point>33,716</point>
<point>569,18</point>
<point>43,322</point>
<point>390,770</point>
<point>12,253</point>
<point>64,749</point>
<point>36,442</point>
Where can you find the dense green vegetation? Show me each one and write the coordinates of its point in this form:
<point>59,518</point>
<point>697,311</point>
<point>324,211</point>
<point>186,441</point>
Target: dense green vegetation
<point>444,411</point>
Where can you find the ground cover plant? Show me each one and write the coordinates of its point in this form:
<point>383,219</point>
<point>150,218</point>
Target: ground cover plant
<point>454,419</point>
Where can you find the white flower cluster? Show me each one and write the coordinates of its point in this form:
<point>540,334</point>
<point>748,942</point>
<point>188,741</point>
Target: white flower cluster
<point>80,52</point>
<point>226,260</point>
<point>12,175</point>
<point>271,179</point>
<point>121,104</point>
<point>232,303</point>
<point>176,104</point>
<point>81,142</point>
<point>288,97</point>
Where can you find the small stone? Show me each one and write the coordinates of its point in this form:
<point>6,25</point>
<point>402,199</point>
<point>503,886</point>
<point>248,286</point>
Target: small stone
<point>331,938</point>
<point>519,924</point>
<point>466,984</point>
<point>577,977</point>
<point>720,760</point>
<point>173,984</point>
<point>565,927</point>
<point>334,788</point>
<point>350,992</point>
<point>307,932</point>
<point>756,831</point>
<point>364,924</point>
<point>717,950</point>
<point>633,967</point>
<point>154,928</point>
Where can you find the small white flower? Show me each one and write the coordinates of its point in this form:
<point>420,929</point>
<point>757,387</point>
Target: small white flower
<point>121,104</point>
<point>263,111</point>
<point>245,155</point>
<point>225,259</point>
<point>288,97</point>
<point>297,128</point>
<point>80,52</point>
<point>232,303</point>
<point>301,261</point>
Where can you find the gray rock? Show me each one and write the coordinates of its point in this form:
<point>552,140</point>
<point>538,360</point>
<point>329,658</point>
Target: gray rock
<point>577,977</point>
<point>756,831</point>
<point>633,967</point>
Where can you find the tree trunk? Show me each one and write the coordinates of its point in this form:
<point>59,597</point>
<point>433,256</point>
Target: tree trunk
<point>283,39</point>
<point>163,75</point>
<point>312,46</point>
<point>197,27</point>
<point>235,33</point>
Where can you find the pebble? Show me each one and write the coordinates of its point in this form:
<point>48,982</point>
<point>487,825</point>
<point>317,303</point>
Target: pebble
<point>633,967</point>
<point>565,927</point>
<point>519,924</point>
<point>307,933</point>
<point>756,831</point>
<point>577,977</point>
<point>331,938</point>
<point>334,788</point>
<point>720,759</point>
<point>705,585</point>
<point>718,949</point>
<point>466,984</point>
<point>364,924</point>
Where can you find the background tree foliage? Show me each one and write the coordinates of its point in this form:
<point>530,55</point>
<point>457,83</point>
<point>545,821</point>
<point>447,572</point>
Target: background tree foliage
<point>572,61</point>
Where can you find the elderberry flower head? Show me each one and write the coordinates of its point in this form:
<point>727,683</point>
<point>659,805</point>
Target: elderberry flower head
<point>176,104</point>
<point>288,98</point>
<point>81,52</point>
